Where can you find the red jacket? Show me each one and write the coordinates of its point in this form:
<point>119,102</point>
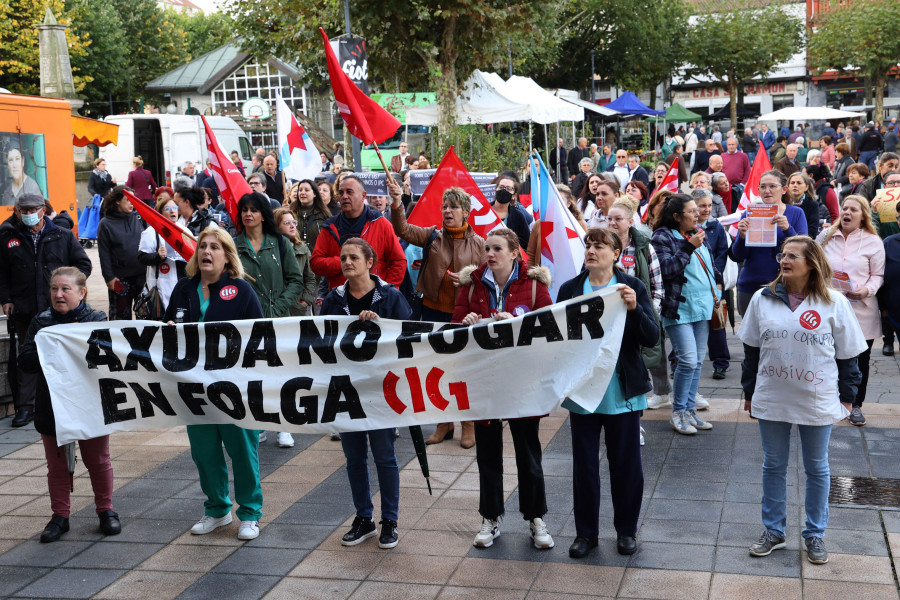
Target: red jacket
<point>528,292</point>
<point>390,260</point>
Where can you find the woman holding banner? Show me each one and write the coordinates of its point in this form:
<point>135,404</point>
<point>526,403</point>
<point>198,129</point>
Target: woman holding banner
<point>216,291</point>
<point>269,260</point>
<point>68,292</point>
<point>498,290</point>
<point>619,413</point>
<point>447,250</point>
<point>369,297</point>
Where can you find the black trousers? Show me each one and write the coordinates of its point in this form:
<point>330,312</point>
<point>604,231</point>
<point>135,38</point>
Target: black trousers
<point>626,472</point>
<point>863,360</point>
<point>27,383</point>
<point>489,455</point>
<point>887,331</point>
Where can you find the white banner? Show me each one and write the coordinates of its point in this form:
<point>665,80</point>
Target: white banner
<point>328,374</point>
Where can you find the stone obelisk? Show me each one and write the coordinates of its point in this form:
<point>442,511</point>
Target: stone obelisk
<point>56,70</point>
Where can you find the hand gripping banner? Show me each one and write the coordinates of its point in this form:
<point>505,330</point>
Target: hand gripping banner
<point>328,374</point>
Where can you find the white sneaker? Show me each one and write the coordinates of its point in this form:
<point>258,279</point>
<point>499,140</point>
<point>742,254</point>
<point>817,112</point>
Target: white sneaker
<point>249,530</point>
<point>490,530</point>
<point>642,436</point>
<point>209,524</point>
<point>659,401</point>
<point>263,436</point>
<point>539,535</point>
<point>701,403</point>
<point>694,419</point>
<point>285,440</point>
<point>680,424</point>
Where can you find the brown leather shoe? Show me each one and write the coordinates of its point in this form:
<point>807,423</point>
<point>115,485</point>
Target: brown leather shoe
<point>467,439</point>
<point>443,432</point>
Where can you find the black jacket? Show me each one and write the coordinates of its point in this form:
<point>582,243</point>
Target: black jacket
<point>388,302</point>
<point>25,271</point>
<point>516,220</point>
<point>242,304</point>
<point>100,184</point>
<point>200,220</point>
<point>871,141</point>
<point>641,329</point>
<point>30,362</point>
<point>118,238</point>
<point>889,293</point>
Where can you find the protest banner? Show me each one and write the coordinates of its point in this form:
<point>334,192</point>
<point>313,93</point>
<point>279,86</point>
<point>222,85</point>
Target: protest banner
<point>328,374</point>
<point>374,183</point>
<point>418,181</point>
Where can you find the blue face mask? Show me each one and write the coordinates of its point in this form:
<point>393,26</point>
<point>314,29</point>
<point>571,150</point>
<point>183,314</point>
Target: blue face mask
<point>32,219</point>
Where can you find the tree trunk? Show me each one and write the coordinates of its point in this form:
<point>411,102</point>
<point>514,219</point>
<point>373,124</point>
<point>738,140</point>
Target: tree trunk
<point>879,81</point>
<point>348,149</point>
<point>447,86</point>
<point>732,101</point>
<point>867,85</point>
<point>653,96</point>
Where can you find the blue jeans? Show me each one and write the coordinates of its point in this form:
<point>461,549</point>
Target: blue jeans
<point>356,451</point>
<point>689,345</point>
<point>868,158</point>
<point>776,443</point>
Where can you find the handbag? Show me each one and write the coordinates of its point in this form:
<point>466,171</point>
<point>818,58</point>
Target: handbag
<point>720,307</point>
<point>149,305</point>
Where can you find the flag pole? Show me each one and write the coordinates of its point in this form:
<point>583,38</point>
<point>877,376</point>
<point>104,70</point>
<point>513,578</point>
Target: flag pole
<point>387,171</point>
<point>284,189</point>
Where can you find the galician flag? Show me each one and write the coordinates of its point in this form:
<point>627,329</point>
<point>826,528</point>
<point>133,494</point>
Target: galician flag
<point>751,191</point>
<point>562,245</point>
<point>298,157</point>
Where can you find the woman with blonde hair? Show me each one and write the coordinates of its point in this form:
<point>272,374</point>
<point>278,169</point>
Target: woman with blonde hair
<point>856,253</point>
<point>141,181</point>
<point>799,316</point>
<point>214,267</point>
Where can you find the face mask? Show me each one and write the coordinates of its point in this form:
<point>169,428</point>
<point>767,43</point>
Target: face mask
<point>503,196</point>
<point>31,220</point>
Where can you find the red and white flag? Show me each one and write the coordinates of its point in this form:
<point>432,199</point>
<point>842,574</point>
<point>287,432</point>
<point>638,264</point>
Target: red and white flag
<point>232,185</point>
<point>453,173</point>
<point>299,158</point>
<point>751,191</point>
<point>670,181</point>
<point>181,240</point>
<point>365,118</point>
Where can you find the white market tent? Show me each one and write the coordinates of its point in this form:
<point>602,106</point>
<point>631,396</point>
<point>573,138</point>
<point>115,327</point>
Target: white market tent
<point>482,101</point>
<point>808,113</point>
<point>600,110</point>
<point>486,98</point>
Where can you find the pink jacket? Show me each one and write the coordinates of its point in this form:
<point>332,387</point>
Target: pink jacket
<point>861,256</point>
<point>828,156</point>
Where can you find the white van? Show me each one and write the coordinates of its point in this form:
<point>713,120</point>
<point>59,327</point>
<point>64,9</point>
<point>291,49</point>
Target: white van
<point>166,142</point>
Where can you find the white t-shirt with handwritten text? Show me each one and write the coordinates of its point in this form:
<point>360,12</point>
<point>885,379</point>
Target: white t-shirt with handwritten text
<point>797,376</point>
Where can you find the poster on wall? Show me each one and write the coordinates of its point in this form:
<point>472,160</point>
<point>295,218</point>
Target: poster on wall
<point>24,166</point>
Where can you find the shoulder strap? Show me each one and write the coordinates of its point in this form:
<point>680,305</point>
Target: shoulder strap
<point>705,270</point>
<point>427,249</point>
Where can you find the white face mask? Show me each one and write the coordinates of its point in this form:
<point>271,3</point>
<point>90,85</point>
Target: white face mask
<point>32,219</point>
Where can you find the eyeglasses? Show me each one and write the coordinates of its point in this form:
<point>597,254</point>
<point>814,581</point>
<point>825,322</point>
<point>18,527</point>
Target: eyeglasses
<point>287,223</point>
<point>892,183</point>
<point>256,183</point>
<point>31,211</point>
<point>791,257</point>
<point>507,188</point>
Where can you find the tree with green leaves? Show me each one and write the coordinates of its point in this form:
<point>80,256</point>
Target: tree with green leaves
<point>636,43</point>
<point>20,70</point>
<point>99,24</point>
<point>859,38</point>
<point>203,32</point>
<point>416,46</point>
<point>740,45</point>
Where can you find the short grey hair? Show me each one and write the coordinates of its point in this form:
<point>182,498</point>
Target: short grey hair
<point>585,161</point>
<point>698,194</point>
<point>716,177</point>
<point>187,163</point>
<point>182,182</point>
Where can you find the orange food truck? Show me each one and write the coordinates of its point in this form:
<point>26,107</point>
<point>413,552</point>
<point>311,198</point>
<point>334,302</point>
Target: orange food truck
<point>36,139</point>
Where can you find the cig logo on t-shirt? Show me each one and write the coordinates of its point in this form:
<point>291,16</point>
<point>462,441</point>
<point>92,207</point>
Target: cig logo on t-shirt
<point>810,319</point>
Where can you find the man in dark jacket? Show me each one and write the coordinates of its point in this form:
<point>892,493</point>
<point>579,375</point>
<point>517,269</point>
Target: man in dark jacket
<point>575,155</point>
<point>558,161</point>
<point>31,248</point>
<point>274,183</point>
<point>870,144</point>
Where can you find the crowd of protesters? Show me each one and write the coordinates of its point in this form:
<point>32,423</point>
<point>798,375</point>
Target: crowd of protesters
<point>323,246</point>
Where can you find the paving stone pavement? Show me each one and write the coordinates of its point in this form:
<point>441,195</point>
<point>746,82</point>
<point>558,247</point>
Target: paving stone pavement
<point>700,512</point>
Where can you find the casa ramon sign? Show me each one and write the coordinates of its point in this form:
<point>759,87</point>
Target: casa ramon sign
<point>752,89</point>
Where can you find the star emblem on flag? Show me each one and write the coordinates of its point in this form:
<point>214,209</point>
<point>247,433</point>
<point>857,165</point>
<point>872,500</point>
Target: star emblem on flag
<point>295,137</point>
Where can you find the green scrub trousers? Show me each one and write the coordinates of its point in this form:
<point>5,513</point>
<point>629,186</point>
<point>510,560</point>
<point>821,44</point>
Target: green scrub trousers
<point>241,445</point>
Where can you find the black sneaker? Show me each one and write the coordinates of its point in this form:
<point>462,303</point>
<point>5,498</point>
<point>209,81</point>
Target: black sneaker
<point>389,535</point>
<point>857,417</point>
<point>815,551</point>
<point>362,529</point>
<point>888,349</point>
<point>718,373</point>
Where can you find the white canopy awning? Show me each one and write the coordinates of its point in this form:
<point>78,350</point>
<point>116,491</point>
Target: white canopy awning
<point>808,113</point>
<point>545,107</point>
<point>486,98</point>
<point>481,101</point>
<point>600,110</point>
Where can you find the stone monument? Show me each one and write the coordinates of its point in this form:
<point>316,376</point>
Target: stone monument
<point>56,70</point>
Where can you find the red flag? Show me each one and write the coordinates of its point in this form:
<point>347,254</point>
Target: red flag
<point>177,237</point>
<point>364,117</point>
<point>453,173</point>
<point>229,180</point>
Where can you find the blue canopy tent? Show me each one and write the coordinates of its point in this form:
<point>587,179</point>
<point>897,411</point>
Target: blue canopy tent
<point>629,104</point>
